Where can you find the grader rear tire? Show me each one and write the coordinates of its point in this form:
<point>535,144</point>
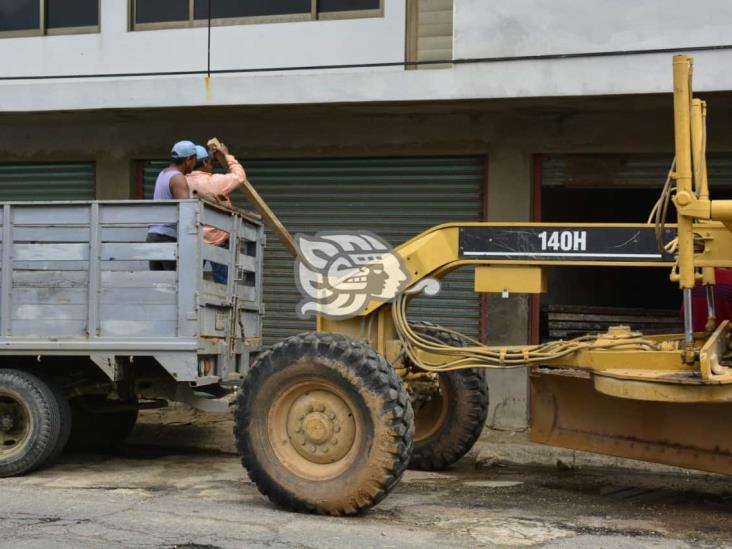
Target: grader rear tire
<point>448,425</point>
<point>324,425</point>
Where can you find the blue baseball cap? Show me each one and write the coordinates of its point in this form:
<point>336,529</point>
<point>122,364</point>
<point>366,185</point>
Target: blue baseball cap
<point>183,149</point>
<point>201,153</point>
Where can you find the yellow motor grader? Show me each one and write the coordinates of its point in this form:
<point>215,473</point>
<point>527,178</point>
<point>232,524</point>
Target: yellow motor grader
<point>328,421</point>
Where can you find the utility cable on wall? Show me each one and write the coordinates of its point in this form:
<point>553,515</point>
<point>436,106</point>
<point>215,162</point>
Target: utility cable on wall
<point>468,61</point>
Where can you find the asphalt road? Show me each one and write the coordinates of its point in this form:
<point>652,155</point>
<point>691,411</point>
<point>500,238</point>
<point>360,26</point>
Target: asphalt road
<point>156,499</point>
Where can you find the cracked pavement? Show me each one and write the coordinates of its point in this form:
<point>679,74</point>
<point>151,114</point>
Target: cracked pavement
<point>165,499</point>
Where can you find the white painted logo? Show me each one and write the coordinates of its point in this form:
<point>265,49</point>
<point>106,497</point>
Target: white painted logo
<point>567,241</point>
<point>338,274</point>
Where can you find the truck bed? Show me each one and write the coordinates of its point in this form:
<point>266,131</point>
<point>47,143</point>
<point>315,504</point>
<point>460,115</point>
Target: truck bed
<point>75,279</point>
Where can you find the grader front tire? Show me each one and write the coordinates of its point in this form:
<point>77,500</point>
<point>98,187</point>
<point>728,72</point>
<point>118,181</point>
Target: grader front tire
<point>450,422</point>
<point>324,425</point>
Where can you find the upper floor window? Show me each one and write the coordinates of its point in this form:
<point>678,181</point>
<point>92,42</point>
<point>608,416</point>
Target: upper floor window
<point>39,17</point>
<point>152,14</point>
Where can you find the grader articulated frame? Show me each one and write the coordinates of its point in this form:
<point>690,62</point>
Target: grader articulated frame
<point>662,398</point>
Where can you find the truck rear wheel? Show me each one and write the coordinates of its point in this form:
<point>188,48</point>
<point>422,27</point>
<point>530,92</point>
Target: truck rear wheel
<point>32,424</point>
<point>450,418</point>
<point>65,417</point>
<point>324,425</point>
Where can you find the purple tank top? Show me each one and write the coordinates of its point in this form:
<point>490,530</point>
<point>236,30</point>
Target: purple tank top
<point>162,192</point>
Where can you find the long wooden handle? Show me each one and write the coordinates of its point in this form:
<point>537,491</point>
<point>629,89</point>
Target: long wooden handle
<point>270,218</point>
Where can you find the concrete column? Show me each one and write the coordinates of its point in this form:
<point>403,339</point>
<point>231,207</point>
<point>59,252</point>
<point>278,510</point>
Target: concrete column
<point>509,199</point>
<point>115,178</point>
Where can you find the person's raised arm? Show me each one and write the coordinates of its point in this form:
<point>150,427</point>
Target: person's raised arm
<point>179,187</point>
<point>221,152</point>
<point>235,176</point>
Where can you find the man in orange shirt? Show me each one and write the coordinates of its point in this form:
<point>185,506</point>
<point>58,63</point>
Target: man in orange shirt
<point>221,185</point>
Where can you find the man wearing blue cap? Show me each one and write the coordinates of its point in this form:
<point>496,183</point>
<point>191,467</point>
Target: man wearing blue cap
<point>171,185</point>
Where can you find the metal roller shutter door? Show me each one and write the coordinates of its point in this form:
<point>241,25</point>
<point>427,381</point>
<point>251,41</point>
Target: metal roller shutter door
<point>150,172</point>
<point>396,198</point>
<point>47,181</point>
<point>627,171</point>
<point>567,311</point>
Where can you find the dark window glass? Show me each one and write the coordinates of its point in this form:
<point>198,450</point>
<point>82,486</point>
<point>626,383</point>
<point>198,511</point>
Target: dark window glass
<point>249,8</point>
<point>160,11</point>
<point>72,13</point>
<point>347,5</point>
<point>20,15</point>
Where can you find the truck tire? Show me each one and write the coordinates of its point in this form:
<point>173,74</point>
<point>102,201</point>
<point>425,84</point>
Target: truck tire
<point>31,422</point>
<point>324,425</point>
<point>449,424</point>
<point>65,418</point>
<point>96,430</point>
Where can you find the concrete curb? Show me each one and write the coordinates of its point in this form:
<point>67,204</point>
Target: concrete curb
<point>181,427</point>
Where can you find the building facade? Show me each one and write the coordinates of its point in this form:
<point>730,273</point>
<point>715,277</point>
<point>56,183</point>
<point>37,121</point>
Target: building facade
<point>390,115</point>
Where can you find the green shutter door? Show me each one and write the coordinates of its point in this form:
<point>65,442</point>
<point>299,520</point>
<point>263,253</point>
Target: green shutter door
<point>47,181</point>
<point>396,198</point>
<point>151,170</point>
<point>637,171</point>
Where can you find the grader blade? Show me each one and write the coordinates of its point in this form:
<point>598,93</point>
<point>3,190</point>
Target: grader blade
<point>568,412</point>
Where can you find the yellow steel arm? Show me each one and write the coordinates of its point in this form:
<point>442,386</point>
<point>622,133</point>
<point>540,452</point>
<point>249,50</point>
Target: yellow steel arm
<point>436,251</point>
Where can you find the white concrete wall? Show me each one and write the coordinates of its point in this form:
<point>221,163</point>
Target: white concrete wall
<point>482,29</point>
<point>513,28</point>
